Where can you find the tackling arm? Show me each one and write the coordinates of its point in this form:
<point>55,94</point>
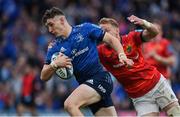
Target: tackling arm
<point>116,45</point>
<point>150,30</point>
<point>113,42</point>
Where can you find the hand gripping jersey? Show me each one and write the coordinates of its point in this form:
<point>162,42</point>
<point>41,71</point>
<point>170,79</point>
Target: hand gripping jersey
<point>163,48</point>
<point>141,77</point>
<point>80,46</point>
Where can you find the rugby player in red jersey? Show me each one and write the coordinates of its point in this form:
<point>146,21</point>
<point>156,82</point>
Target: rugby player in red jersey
<point>160,53</point>
<point>145,85</point>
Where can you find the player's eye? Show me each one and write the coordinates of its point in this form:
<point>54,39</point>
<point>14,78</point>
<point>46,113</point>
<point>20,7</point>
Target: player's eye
<point>50,24</point>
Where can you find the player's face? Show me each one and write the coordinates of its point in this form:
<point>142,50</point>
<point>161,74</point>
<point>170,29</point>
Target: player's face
<point>55,25</point>
<point>109,28</point>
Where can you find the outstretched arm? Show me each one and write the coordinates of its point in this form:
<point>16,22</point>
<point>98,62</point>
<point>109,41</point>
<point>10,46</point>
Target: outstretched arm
<point>116,45</point>
<point>150,30</point>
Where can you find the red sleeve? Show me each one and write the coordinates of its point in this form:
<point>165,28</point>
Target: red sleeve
<point>168,51</point>
<point>100,52</point>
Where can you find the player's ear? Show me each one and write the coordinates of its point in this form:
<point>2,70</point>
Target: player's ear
<point>62,19</point>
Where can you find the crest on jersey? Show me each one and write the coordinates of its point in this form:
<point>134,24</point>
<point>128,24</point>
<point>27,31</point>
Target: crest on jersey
<point>79,38</point>
<point>129,48</point>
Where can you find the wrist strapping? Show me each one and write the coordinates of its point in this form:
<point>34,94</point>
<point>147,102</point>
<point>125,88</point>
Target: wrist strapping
<point>147,24</point>
<point>122,56</point>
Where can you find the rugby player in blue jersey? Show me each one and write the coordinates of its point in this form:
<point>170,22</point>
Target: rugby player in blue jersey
<point>78,45</point>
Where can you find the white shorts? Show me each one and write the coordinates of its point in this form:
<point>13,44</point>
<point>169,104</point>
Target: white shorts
<point>160,96</point>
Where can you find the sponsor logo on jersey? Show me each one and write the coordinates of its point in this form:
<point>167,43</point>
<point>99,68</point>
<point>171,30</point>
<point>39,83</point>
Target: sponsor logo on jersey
<point>80,52</point>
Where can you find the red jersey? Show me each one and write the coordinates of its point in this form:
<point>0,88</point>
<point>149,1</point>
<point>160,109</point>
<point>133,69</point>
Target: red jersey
<point>162,48</point>
<point>28,81</point>
<point>141,77</point>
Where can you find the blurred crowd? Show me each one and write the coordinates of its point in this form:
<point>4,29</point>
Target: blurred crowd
<point>24,41</point>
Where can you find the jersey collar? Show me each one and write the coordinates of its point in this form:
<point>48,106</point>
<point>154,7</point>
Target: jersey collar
<point>61,38</point>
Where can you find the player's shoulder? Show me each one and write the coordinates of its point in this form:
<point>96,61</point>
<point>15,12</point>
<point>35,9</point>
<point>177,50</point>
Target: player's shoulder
<point>102,45</point>
<point>133,33</point>
<point>83,25</point>
<point>87,25</point>
<point>127,35</point>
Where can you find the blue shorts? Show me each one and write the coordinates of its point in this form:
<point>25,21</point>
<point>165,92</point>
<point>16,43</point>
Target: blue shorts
<point>103,84</point>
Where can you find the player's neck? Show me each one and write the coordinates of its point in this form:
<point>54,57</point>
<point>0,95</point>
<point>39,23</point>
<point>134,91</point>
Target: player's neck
<point>67,32</point>
<point>120,38</point>
<point>69,29</point>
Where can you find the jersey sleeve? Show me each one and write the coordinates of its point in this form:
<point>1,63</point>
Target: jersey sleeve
<point>169,48</point>
<point>95,32</point>
<point>50,51</point>
<point>100,53</point>
<point>48,57</point>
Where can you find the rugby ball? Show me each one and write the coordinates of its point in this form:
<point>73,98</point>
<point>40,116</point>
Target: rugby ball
<point>63,73</point>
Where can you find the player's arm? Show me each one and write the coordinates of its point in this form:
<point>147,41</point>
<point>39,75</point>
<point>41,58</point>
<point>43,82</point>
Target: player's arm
<point>165,60</point>
<point>116,45</point>
<point>150,30</point>
<point>48,70</point>
<point>95,32</point>
<point>170,60</point>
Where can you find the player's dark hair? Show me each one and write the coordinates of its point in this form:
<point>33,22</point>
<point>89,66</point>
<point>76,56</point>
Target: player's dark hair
<point>109,21</point>
<point>51,13</point>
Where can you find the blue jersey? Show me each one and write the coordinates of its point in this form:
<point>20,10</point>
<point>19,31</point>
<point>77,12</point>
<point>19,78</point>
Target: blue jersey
<point>80,46</point>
